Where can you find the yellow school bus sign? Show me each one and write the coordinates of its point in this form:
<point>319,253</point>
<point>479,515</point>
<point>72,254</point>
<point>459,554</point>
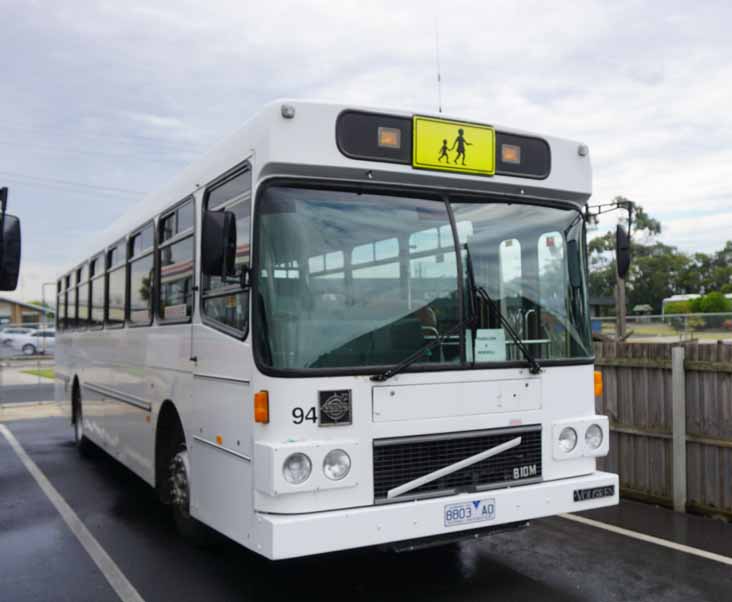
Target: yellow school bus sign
<point>454,146</point>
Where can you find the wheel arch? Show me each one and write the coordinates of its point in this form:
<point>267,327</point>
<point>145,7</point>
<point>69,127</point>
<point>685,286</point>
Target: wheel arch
<point>168,430</point>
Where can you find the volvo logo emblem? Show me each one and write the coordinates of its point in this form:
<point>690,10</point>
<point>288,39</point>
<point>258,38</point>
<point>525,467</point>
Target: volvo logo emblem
<point>335,407</point>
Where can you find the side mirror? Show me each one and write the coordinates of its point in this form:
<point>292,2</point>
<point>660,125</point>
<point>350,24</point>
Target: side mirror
<point>622,251</point>
<point>10,253</point>
<point>218,245</point>
<point>574,264</point>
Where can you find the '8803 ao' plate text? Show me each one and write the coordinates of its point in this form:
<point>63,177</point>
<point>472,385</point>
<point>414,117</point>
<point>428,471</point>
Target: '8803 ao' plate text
<point>475,511</point>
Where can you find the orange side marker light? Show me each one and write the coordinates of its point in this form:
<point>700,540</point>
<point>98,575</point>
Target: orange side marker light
<point>261,407</point>
<point>598,383</point>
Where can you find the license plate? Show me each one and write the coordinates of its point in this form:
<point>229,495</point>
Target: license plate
<point>454,146</point>
<point>476,511</point>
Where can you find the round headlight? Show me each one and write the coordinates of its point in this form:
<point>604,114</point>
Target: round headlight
<point>337,465</point>
<point>567,439</point>
<point>593,436</point>
<point>296,468</point>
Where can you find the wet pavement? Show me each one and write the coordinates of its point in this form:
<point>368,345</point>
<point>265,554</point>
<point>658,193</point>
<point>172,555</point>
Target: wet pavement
<point>42,391</point>
<point>554,559</point>
<point>20,384</point>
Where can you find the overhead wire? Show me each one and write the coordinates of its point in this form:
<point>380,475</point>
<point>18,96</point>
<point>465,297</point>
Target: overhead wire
<point>69,183</point>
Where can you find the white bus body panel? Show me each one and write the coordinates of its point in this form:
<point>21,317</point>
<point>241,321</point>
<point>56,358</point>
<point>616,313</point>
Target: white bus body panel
<point>127,375</point>
<point>282,536</point>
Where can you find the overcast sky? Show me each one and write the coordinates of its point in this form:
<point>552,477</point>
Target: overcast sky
<point>103,101</point>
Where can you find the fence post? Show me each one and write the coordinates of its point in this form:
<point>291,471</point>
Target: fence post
<point>678,382</point>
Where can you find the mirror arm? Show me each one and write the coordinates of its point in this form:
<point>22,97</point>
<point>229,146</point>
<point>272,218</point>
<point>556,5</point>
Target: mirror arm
<point>245,279</point>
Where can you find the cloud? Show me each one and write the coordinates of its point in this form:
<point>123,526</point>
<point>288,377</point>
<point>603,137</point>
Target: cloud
<point>125,94</point>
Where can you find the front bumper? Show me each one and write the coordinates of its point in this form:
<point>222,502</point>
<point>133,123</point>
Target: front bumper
<point>287,536</point>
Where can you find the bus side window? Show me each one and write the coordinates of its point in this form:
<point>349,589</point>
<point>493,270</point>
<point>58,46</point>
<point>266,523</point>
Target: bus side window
<point>225,302</point>
<point>65,295</point>
<point>96,295</point>
<point>115,287</point>
<point>83,298</point>
<point>71,300</point>
<point>175,264</point>
<point>141,276</point>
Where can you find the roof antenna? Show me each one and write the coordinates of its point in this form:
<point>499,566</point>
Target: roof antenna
<point>437,61</point>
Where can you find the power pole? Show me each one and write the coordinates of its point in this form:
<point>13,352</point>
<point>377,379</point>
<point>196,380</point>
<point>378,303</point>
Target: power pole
<point>620,306</point>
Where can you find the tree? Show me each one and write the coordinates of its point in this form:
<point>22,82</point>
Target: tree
<point>657,270</point>
<point>644,281</point>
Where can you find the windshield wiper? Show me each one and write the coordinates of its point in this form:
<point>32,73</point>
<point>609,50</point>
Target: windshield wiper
<point>534,366</point>
<point>413,357</point>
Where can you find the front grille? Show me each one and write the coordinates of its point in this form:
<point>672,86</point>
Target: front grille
<point>403,459</point>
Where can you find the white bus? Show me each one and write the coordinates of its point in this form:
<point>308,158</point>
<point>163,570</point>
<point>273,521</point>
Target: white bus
<point>347,327</point>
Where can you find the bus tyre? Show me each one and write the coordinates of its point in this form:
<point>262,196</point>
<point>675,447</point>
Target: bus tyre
<point>180,498</point>
<point>85,447</point>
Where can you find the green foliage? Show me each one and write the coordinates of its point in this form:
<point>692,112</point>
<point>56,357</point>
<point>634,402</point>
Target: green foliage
<point>677,307</point>
<point>658,271</point>
<point>711,303</point>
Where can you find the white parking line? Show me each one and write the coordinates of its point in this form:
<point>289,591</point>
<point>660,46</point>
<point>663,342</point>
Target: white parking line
<point>649,539</point>
<point>116,578</point>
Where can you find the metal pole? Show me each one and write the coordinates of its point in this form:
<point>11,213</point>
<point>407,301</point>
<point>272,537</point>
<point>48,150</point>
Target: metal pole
<point>43,299</point>
<point>678,380</point>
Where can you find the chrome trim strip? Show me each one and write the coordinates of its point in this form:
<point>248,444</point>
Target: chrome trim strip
<point>118,396</point>
<point>511,430</point>
<point>219,377</point>
<point>221,448</point>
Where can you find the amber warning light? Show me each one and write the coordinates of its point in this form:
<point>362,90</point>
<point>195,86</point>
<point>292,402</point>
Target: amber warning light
<point>390,137</point>
<point>511,153</point>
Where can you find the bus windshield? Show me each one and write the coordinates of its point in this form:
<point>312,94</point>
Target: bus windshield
<point>362,280</point>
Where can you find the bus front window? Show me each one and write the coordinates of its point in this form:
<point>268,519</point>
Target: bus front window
<point>356,280</point>
<point>351,280</point>
<point>518,252</point>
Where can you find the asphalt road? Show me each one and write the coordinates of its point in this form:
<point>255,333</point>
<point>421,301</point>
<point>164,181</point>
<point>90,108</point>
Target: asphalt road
<point>43,391</point>
<point>554,559</point>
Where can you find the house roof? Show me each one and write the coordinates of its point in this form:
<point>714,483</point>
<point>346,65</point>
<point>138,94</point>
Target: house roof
<point>643,307</point>
<point>39,308</point>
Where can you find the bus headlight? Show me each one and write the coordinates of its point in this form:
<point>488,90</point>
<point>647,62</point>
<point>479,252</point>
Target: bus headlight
<point>336,465</point>
<point>297,468</point>
<point>593,436</point>
<point>567,439</point>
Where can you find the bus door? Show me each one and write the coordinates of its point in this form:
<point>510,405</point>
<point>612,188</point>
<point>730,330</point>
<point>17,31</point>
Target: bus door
<point>221,413</point>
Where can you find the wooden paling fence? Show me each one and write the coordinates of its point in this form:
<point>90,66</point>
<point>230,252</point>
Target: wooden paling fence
<point>670,411</point>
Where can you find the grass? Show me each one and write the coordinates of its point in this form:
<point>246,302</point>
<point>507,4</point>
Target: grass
<point>42,372</point>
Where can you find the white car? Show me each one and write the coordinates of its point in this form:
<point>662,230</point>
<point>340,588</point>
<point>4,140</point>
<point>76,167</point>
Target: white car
<point>38,341</point>
<point>8,334</point>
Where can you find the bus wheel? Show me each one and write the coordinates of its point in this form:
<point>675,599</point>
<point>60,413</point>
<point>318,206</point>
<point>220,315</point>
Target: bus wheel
<point>180,499</point>
<point>85,447</point>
